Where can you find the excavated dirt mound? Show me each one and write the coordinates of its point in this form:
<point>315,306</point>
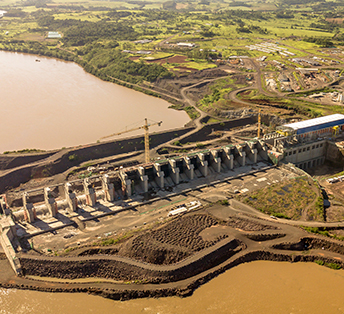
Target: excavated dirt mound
<point>248,225</point>
<point>127,269</point>
<point>172,242</point>
<point>96,251</point>
<point>89,268</point>
<point>309,243</point>
<point>265,237</point>
<point>147,250</point>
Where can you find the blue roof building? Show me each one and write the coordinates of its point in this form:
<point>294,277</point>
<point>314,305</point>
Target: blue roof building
<point>314,125</point>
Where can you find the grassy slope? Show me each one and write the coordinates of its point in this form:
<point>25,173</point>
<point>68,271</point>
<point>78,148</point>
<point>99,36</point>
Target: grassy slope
<point>292,199</point>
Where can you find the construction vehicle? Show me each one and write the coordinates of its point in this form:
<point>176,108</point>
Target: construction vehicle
<point>146,129</point>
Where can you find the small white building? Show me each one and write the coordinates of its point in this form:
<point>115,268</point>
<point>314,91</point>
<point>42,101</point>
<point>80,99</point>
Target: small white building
<point>187,45</point>
<point>54,35</point>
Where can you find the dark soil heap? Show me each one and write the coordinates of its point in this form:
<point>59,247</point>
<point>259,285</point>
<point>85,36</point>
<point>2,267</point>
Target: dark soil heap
<point>308,243</point>
<point>248,225</point>
<point>172,242</point>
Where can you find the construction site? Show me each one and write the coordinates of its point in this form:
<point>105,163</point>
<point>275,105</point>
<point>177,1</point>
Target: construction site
<point>147,228</point>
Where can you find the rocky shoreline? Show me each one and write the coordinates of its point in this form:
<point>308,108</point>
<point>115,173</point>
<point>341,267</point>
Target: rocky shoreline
<point>135,291</point>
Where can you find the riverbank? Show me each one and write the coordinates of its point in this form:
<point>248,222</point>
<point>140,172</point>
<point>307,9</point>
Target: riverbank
<point>135,291</point>
<point>254,287</point>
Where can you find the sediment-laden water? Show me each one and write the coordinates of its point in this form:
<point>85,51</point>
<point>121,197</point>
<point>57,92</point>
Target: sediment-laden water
<point>48,103</point>
<point>256,287</point>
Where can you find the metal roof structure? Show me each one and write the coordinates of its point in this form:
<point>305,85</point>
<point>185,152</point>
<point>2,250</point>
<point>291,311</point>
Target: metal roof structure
<point>54,35</point>
<point>315,124</point>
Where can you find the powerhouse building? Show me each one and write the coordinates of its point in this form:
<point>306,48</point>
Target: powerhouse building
<point>305,143</point>
<point>315,127</point>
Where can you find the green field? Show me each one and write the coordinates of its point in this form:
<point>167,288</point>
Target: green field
<point>94,34</point>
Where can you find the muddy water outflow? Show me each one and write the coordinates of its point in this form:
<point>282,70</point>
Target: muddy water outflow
<point>256,287</point>
<point>53,104</point>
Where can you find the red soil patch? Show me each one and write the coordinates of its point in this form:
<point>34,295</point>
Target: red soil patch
<point>245,93</point>
<point>134,58</point>
<point>337,20</point>
<point>177,59</point>
<point>181,6</point>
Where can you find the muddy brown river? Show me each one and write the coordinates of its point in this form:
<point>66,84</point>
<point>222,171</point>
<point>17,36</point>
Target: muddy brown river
<point>48,103</point>
<point>256,287</point>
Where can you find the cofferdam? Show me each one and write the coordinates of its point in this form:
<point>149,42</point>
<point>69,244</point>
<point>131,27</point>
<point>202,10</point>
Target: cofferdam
<point>256,287</point>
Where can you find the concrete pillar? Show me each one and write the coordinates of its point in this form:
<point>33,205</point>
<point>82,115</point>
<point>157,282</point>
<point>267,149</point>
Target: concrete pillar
<point>229,158</point>
<point>203,164</point>
<point>216,164</point>
<point>242,156</point>
<point>4,209</point>
<point>262,150</point>
<point>90,194</point>
<point>29,210</point>
<point>189,168</point>
<point>174,171</point>
<point>126,184</point>
<point>144,179</point>
<point>70,198</point>
<point>108,188</point>
<point>50,202</point>
<point>254,153</point>
<point>159,176</point>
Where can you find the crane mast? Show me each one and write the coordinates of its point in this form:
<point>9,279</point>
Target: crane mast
<point>146,136</point>
<point>145,127</point>
<point>259,124</point>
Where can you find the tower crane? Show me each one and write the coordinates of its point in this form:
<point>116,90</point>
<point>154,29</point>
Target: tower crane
<point>259,123</point>
<point>146,129</point>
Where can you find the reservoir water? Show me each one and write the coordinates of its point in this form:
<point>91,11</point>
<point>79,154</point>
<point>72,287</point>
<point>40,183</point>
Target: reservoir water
<point>48,103</point>
<point>257,287</point>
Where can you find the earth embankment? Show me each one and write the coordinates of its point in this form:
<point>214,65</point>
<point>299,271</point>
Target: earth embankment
<point>211,245</point>
<point>65,159</point>
<point>126,269</point>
